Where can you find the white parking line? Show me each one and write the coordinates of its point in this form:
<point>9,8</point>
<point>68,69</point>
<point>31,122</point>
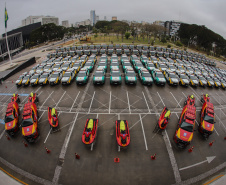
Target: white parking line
<point>168,139</point>
<point>91,102</point>
<point>220,121</point>
<point>46,99</point>
<point>184,95</point>
<point>128,101</point>
<point>146,101</point>
<point>197,96</point>
<point>74,101</point>
<point>175,99</point>
<point>109,110</point>
<point>41,115</point>
<point>60,99</point>
<point>145,141</point>
<point>161,100</point>
<point>220,98</point>
<point>37,90</point>
<point>3,132</point>
<point>217,101</point>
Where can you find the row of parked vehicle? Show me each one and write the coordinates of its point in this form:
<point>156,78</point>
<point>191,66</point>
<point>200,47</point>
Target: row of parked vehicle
<point>186,125</point>
<point>59,70</point>
<point>130,50</point>
<point>29,123</point>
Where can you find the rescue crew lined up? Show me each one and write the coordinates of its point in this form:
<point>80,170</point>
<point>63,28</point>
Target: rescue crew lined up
<point>159,66</point>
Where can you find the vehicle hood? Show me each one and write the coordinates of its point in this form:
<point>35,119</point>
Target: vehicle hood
<point>131,78</point>
<point>65,79</point>
<point>174,80</point>
<point>26,131</point>
<point>52,79</point>
<point>80,78</point>
<point>185,81</point>
<point>208,126</point>
<point>161,79</point>
<point>195,81</point>
<point>148,79</point>
<point>10,125</point>
<point>42,79</point>
<point>33,80</point>
<point>115,78</point>
<point>98,78</point>
<point>24,81</point>
<point>184,135</point>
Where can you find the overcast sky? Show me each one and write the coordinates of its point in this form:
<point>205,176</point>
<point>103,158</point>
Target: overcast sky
<point>210,13</point>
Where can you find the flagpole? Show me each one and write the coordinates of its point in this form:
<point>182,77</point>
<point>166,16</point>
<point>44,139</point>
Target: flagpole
<point>8,46</point>
<point>6,35</point>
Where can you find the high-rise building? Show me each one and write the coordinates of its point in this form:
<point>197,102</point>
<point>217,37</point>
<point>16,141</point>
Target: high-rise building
<point>114,18</point>
<point>42,19</point>
<point>92,17</point>
<point>105,18</point>
<point>65,23</point>
<point>97,18</point>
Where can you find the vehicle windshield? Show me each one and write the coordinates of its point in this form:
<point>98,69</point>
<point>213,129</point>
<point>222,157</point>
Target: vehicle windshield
<point>81,74</point>
<point>130,74</point>
<point>124,58</point>
<point>115,74</point>
<point>193,77</point>
<point>202,78</point>
<point>88,64</point>
<point>76,64</point>
<point>9,118</point>
<point>67,74</point>
<point>57,66</point>
<point>20,77</point>
<point>26,78</point>
<point>159,75</point>
<point>66,65</point>
<point>139,65</point>
<point>216,80</point>
<point>146,75</point>
<point>162,66</point>
<point>44,76</point>
<point>172,76</point>
<point>172,67</point>
<point>102,64</point>
<point>127,64</point>
<point>114,58</point>
<point>209,119</point>
<point>54,75</point>
<point>39,68</point>
<point>35,76</point>
<point>183,77</point>
<point>99,74</point>
<point>151,65</point>
<point>27,122</point>
<point>114,64</point>
<point>187,126</point>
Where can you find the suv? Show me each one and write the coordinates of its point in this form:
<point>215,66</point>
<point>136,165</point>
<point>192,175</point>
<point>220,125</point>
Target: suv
<point>145,76</point>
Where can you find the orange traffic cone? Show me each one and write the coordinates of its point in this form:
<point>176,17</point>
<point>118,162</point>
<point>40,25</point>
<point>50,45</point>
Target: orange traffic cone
<point>7,137</point>
<point>116,160</point>
<point>12,81</point>
<point>191,149</point>
<point>25,144</point>
<point>77,156</point>
<point>211,143</point>
<point>5,86</point>
<point>47,150</point>
<point>224,138</point>
<point>153,157</point>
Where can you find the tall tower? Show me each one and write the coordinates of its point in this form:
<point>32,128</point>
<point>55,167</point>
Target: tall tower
<point>92,17</point>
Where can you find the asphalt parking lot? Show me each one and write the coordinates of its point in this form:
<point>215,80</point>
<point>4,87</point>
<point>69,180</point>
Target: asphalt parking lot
<point>141,106</point>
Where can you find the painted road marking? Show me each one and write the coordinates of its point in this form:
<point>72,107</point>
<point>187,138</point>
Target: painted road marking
<point>91,102</point>
<point>109,110</point>
<point>208,159</point>
<point>175,99</point>
<point>219,176</point>
<point>166,141</point>
<point>10,94</point>
<point>161,100</point>
<point>74,101</point>
<point>60,99</point>
<point>128,101</point>
<point>145,141</point>
<point>46,99</point>
<point>146,102</point>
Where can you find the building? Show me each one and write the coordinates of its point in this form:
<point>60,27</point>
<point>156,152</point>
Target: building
<point>105,18</point>
<point>25,30</point>
<point>172,27</point>
<point>92,17</point>
<point>160,23</point>
<point>114,18</point>
<point>42,19</point>
<point>97,18</point>
<point>15,42</point>
<point>65,23</point>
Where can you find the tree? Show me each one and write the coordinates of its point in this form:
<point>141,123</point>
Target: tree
<point>127,35</point>
<point>120,27</point>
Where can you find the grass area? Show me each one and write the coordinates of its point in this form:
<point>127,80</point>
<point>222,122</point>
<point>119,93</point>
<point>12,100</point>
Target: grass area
<point>113,39</point>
